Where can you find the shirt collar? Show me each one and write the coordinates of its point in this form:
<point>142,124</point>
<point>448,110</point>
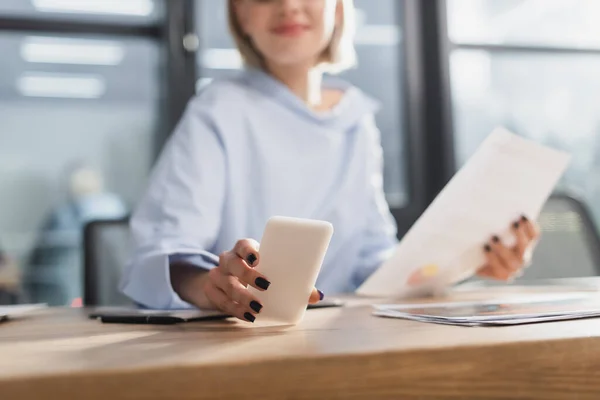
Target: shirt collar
<point>353,106</point>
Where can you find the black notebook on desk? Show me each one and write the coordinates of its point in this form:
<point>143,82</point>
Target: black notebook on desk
<point>127,315</point>
<point>122,315</point>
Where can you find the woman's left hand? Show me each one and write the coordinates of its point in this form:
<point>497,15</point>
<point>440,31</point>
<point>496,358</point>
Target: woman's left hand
<point>505,263</point>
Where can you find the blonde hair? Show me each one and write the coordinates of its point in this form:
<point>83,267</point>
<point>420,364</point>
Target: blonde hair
<point>338,56</point>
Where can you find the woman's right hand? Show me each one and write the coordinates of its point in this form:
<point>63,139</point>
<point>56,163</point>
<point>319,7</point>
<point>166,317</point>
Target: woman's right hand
<point>225,286</point>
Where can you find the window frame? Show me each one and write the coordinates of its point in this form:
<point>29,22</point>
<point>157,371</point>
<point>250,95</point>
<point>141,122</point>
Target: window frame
<point>168,31</point>
<point>428,108</point>
<point>504,48</point>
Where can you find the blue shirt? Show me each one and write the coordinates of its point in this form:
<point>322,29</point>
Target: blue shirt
<point>247,149</point>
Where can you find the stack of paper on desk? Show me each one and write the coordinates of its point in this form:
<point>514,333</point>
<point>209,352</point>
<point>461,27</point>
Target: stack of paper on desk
<point>19,310</point>
<point>498,313</point>
<point>507,177</point>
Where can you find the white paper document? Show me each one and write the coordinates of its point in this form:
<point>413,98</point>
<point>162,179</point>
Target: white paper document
<point>515,311</point>
<point>508,176</point>
<point>20,310</point>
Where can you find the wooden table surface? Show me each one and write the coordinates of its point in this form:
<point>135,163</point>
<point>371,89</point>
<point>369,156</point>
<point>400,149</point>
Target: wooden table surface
<point>343,353</point>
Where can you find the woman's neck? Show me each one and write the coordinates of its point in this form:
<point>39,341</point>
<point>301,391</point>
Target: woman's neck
<point>302,81</point>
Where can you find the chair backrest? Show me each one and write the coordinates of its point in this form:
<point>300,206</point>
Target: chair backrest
<point>107,248</point>
<point>570,244</point>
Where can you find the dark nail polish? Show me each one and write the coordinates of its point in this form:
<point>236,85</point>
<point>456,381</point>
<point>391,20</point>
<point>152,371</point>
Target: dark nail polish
<point>516,225</point>
<point>524,218</point>
<point>495,239</point>
<point>487,248</point>
<point>262,283</point>
<point>256,306</point>
<point>249,317</point>
<point>251,259</point>
<point>321,295</point>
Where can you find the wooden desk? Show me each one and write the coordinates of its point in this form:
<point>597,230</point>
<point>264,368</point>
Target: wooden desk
<point>334,354</point>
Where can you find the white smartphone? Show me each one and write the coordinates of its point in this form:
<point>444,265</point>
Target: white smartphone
<point>291,254</point>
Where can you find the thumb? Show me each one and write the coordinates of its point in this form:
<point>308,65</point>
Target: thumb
<point>316,296</point>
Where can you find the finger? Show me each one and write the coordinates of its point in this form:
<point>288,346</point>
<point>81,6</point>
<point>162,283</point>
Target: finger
<point>315,296</point>
<point>495,266</point>
<point>247,250</point>
<point>227,305</point>
<point>530,229</point>
<point>486,271</point>
<point>232,264</point>
<point>523,239</point>
<point>237,292</point>
<point>508,258</point>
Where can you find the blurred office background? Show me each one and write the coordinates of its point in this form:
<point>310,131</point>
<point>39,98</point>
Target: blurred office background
<point>91,89</point>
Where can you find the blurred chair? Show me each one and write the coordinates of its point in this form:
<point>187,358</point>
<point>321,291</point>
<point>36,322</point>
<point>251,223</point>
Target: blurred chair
<point>570,243</point>
<point>107,246</point>
<point>53,272</point>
